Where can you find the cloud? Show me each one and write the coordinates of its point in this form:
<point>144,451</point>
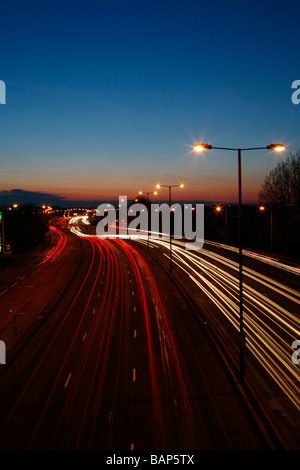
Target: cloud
<point>19,196</point>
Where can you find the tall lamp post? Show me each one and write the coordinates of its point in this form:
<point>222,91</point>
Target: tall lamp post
<point>262,208</point>
<point>150,192</point>
<point>220,209</point>
<point>158,186</point>
<point>278,147</point>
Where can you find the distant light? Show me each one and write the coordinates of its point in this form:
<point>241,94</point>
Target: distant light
<point>181,185</point>
<point>261,208</point>
<point>158,186</point>
<point>218,208</point>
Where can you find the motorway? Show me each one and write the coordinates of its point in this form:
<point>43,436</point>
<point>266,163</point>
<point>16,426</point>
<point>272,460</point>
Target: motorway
<point>121,362</point>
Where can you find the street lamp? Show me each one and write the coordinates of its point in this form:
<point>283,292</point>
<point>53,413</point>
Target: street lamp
<point>279,148</point>
<point>170,186</point>
<point>151,192</point>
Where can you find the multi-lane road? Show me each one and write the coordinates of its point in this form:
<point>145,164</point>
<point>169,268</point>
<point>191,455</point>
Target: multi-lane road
<point>122,361</point>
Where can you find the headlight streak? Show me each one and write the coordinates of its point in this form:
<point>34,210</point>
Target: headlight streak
<point>255,275</point>
<point>268,354</point>
<point>270,347</point>
<point>233,282</point>
<point>264,259</point>
<point>83,218</point>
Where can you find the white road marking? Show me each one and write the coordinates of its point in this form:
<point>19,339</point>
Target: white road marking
<point>67,381</point>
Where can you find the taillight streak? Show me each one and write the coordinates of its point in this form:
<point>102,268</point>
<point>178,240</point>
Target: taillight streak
<point>22,393</point>
<point>58,248</point>
<point>166,326</point>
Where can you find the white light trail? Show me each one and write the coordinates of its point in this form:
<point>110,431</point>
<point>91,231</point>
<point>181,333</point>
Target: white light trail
<point>270,325</point>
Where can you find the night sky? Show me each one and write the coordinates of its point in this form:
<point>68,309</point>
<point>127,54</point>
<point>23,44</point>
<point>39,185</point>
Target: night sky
<point>106,98</point>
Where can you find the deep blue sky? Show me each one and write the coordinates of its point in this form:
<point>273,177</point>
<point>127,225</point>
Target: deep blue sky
<point>105,98</point>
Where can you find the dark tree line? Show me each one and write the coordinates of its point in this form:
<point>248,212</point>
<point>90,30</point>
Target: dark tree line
<point>25,227</point>
<point>280,192</point>
<point>282,185</point>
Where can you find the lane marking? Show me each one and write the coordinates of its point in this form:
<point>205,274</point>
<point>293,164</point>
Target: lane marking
<point>3,292</point>
<point>132,446</point>
<point>133,375</point>
<point>83,339</point>
<point>134,308</point>
<point>67,381</point>
<point>134,333</point>
<point>94,311</point>
<point>7,290</point>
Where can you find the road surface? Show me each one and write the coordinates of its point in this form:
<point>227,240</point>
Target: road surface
<point>120,362</point>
